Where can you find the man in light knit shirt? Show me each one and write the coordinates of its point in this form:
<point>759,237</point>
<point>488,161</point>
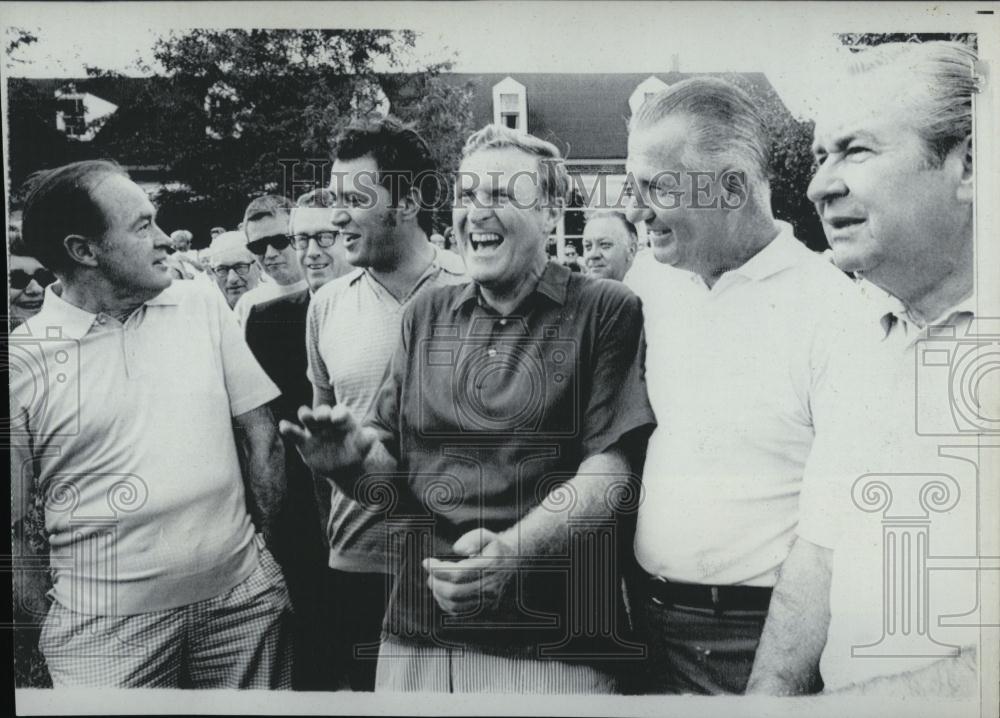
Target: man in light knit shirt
<point>869,599</point>
<point>353,326</point>
<point>160,579</point>
<point>265,223</point>
<point>740,319</point>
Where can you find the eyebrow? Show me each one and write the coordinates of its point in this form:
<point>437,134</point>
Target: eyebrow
<point>143,217</point>
<point>843,139</point>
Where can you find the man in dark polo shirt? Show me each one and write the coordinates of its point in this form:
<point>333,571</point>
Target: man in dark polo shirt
<point>499,447</point>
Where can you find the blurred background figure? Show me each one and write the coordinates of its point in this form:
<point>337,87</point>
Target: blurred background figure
<point>571,258</point>
<point>215,232</point>
<point>26,281</point>
<point>233,266</point>
<point>610,243</point>
<point>438,240</point>
<point>185,259</point>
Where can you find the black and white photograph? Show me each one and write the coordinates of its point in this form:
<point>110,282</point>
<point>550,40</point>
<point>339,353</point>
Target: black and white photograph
<point>503,358</point>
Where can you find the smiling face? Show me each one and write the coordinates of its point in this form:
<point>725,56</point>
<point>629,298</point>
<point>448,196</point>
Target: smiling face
<point>25,303</point>
<point>685,231</point>
<point>320,264</point>
<point>888,213</point>
<point>281,265</point>
<point>131,255</point>
<point>500,219</point>
<point>226,267</point>
<point>607,248</point>
<point>364,215</point>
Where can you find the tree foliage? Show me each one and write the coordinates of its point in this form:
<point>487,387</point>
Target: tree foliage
<point>791,163</point>
<point>234,108</point>
<point>855,41</point>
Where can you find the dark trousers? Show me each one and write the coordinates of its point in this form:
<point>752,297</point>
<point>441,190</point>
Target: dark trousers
<point>357,603</point>
<point>691,650</point>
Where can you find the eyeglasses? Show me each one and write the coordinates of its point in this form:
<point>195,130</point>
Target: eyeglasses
<point>19,279</point>
<point>259,246</point>
<point>323,239</point>
<point>222,270</point>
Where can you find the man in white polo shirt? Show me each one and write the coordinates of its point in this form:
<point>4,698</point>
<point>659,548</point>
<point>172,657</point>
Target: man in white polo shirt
<point>353,326</point>
<point>159,578</point>
<point>739,321</point>
<point>881,594</point>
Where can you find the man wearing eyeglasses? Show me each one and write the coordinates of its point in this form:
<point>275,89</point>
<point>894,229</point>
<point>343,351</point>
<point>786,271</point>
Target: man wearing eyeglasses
<point>266,225</point>
<point>276,333</point>
<point>234,268</point>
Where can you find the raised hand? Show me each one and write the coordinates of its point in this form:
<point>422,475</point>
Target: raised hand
<point>330,440</point>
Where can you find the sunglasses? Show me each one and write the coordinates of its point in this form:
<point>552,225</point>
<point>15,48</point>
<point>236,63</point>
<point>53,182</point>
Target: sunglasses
<point>278,241</point>
<point>241,268</point>
<point>323,239</point>
<point>19,279</point>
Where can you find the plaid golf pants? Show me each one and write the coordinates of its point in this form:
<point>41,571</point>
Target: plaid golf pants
<point>239,639</point>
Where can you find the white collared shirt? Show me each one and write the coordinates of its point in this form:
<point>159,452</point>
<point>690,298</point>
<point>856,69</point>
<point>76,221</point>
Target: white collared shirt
<point>895,492</point>
<point>127,428</point>
<point>736,378</point>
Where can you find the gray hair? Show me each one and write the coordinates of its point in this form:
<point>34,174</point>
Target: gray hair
<point>553,177</point>
<point>944,80</point>
<point>269,205</point>
<point>633,234</point>
<point>726,128</point>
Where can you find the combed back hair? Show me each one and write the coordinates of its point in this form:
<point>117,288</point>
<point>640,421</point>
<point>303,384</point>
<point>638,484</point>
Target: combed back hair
<point>943,81</point>
<point>403,160</point>
<point>726,128</point>
<point>553,179</point>
<point>269,205</point>
<point>633,234</point>
<point>60,203</point>
<point>317,199</point>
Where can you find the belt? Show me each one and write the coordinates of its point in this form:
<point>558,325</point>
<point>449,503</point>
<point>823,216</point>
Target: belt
<point>713,598</point>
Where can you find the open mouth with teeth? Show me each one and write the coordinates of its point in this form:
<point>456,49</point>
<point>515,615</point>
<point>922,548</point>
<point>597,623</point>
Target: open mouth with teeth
<point>480,241</point>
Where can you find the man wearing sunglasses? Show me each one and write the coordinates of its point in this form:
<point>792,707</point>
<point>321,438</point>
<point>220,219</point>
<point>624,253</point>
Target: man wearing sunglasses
<point>234,268</point>
<point>266,225</point>
<point>276,333</point>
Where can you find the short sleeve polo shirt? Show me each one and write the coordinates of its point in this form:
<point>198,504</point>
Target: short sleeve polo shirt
<point>488,414</point>
<point>127,428</point>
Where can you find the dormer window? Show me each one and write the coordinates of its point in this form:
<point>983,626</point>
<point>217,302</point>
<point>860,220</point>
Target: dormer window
<point>80,115</point>
<point>649,87</point>
<point>510,105</point>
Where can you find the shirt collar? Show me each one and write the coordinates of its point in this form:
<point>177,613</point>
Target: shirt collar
<point>552,284</point>
<point>782,252</point>
<point>899,316</point>
<point>76,322</point>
